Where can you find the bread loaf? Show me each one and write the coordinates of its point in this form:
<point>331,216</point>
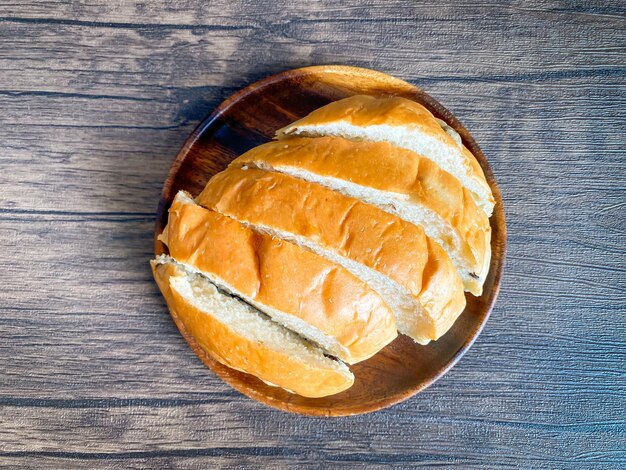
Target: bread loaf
<point>238,336</point>
<point>367,217</point>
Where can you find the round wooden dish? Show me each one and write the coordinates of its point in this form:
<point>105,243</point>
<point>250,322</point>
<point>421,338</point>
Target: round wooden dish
<point>250,117</point>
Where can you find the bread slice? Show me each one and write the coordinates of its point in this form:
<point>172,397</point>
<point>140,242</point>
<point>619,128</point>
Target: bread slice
<point>240,337</point>
<point>404,123</point>
<point>395,180</point>
<point>410,271</point>
<point>300,290</point>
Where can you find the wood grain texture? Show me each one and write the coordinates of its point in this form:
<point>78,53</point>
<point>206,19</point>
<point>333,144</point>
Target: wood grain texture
<point>96,99</point>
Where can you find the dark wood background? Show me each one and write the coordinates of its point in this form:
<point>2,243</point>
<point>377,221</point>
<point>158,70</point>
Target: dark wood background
<point>96,98</point>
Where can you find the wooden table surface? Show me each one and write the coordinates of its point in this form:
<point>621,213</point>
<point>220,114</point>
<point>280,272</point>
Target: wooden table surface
<point>96,97</point>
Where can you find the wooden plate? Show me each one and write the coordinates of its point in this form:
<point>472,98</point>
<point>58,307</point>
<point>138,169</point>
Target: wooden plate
<point>250,117</point>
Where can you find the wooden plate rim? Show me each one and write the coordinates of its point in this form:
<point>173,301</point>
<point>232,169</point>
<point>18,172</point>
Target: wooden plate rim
<point>440,111</point>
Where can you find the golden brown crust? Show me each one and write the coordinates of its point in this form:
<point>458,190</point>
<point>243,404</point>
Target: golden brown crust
<point>384,167</point>
<point>283,277</point>
<point>238,352</point>
<point>347,226</point>
<point>364,111</point>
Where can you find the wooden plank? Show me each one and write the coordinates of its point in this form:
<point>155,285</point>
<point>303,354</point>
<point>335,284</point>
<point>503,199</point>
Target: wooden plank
<point>88,436</point>
<point>234,45</point>
<point>188,13</point>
